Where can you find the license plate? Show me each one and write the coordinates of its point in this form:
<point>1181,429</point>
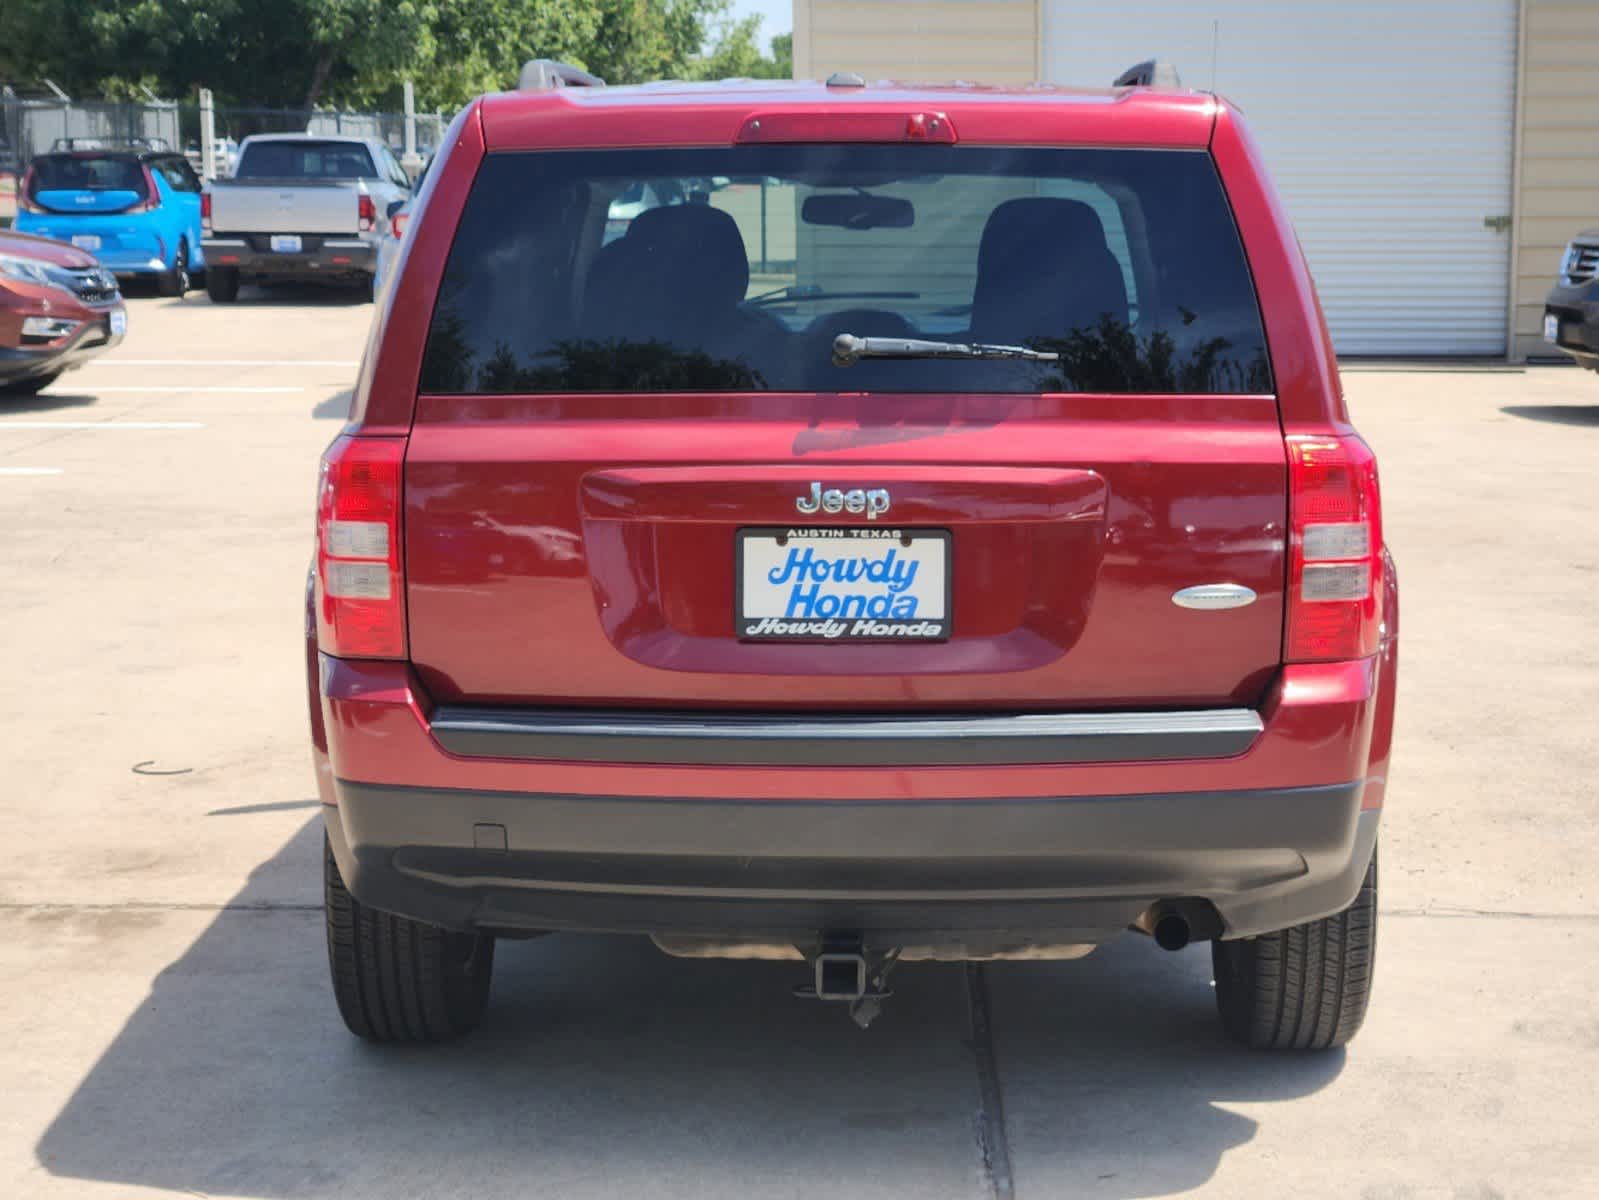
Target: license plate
<point>285,243</point>
<point>843,585</point>
<point>119,324</point>
<point>1551,327</point>
<point>86,241</point>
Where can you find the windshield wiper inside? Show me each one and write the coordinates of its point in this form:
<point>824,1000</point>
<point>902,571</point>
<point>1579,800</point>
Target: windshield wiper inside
<point>798,293</point>
<point>849,350</point>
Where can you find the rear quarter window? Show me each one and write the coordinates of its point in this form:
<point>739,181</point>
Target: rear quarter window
<point>733,269</point>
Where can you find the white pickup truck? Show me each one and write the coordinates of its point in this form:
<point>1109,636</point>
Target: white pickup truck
<point>299,206</point>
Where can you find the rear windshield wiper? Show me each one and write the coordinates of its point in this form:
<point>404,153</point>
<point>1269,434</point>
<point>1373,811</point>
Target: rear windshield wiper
<point>849,350</point>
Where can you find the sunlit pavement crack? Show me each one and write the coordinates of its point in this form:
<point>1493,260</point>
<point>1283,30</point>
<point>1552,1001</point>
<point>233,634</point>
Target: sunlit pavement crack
<point>991,1140</point>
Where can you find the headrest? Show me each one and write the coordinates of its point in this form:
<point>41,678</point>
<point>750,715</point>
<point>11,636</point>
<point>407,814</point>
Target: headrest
<point>1043,268</point>
<point>700,250</point>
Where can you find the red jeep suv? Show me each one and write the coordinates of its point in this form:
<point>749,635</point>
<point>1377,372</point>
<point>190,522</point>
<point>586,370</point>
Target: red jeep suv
<point>852,524</point>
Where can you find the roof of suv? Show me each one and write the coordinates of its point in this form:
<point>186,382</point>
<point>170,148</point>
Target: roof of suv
<point>714,113</point>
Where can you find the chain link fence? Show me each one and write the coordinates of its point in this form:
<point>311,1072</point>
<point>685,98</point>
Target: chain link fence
<point>32,127</point>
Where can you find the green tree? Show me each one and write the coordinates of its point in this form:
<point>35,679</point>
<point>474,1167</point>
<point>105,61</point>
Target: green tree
<point>783,55</point>
<point>735,54</point>
<point>300,53</point>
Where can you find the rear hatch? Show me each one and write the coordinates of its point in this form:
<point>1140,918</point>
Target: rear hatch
<point>643,473</point>
<point>88,183</point>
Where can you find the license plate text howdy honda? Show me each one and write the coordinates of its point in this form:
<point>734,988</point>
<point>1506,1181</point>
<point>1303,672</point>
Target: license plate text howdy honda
<point>843,584</point>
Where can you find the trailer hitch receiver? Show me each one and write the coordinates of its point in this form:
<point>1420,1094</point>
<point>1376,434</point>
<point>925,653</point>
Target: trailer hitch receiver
<point>845,972</point>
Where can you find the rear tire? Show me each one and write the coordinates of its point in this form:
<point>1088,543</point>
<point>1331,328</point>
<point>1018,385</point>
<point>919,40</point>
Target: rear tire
<point>32,385</point>
<point>1303,988</point>
<point>399,980</point>
<point>176,281</point>
<point>222,284</point>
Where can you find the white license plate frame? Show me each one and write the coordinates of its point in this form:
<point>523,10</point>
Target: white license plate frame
<point>87,241</point>
<point>1551,328</point>
<point>756,609</point>
<point>286,243</point>
<point>118,323</point>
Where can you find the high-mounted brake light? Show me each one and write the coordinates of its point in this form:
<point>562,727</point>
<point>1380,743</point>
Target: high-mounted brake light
<point>1335,549</point>
<point>360,601</point>
<point>852,126</point>
<point>205,212</point>
<point>368,213</point>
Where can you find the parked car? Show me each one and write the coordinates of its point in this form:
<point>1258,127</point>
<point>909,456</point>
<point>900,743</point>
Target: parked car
<point>135,209</point>
<point>1571,310</point>
<point>300,206</point>
<point>1013,579</point>
<point>58,309</point>
<point>396,217</point>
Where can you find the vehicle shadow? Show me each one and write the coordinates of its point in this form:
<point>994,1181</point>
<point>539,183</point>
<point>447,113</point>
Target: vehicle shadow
<point>1557,414</point>
<point>300,295</point>
<point>335,407</point>
<point>605,1068</point>
<point>46,402</point>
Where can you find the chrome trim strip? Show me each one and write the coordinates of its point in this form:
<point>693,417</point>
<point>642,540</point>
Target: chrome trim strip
<point>853,739</point>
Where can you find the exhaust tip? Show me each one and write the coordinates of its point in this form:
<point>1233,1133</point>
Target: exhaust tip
<point>1171,931</point>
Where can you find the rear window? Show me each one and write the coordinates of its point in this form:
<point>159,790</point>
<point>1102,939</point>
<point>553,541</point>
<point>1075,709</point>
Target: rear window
<point>305,160</point>
<point>88,173</point>
<point>734,269</point>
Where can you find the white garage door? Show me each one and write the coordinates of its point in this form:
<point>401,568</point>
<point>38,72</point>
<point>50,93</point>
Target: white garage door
<point>1388,127</point>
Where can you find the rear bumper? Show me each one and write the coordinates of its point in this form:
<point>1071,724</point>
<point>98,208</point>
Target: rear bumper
<point>129,245</point>
<point>1077,869</point>
<point>150,255</point>
<point>322,257</point>
<point>1272,830</point>
<point>133,263</point>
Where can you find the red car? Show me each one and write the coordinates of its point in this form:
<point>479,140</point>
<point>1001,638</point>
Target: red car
<point>935,533</point>
<point>58,309</point>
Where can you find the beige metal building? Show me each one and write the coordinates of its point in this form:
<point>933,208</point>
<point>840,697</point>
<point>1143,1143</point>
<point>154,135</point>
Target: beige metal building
<point>1436,154</point>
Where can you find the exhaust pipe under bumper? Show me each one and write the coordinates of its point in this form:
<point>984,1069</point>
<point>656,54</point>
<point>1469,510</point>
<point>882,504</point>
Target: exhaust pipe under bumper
<point>1175,923</point>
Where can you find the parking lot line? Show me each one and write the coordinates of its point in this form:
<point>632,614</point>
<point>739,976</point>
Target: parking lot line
<point>30,470</point>
<point>199,387</point>
<point>4,424</point>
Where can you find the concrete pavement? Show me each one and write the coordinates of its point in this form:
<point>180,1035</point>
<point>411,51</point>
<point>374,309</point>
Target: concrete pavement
<point>162,975</point>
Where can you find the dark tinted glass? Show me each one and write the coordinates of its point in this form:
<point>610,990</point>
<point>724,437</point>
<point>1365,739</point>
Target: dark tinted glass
<point>88,173</point>
<point>178,174</point>
<point>735,268</point>
<point>305,160</point>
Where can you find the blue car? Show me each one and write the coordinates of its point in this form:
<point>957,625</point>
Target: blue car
<point>136,210</point>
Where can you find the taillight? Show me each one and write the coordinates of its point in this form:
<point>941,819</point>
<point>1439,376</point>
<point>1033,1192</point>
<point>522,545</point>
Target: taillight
<point>397,225</point>
<point>25,201</point>
<point>368,213</point>
<point>361,607</point>
<point>152,196</point>
<point>205,212</point>
<point>1334,550</point>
